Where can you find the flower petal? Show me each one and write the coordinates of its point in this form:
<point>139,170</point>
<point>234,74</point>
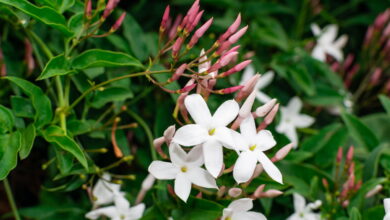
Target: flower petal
<point>110,212</point>
<point>201,177</point>
<point>269,167</point>
<point>340,42</point>
<point>241,205</point>
<point>244,167</point>
<point>121,204</point>
<point>177,154</point>
<point>319,53</point>
<point>190,135</point>
<point>265,140</point>
<point>294,105</point>
<point>104,191</point>
<point>249,72</point>
<point>386,204</point>
<point>163,170</point>
<point>240,143</point>
<point>136,212</point>
<point>224,136</point>
<point>213,157</point>
<point>262,97</point>
<point>292,134</point>
<point>248,216</point>
<point>195,156</point>
<point>329,34</point>
<point>299,202</point>
<point>334,52</point>
<point>182,187</point>
<point>248,128</point>
<point>315,29</point>
<point>303,121</point>
<point>198,109</point>
<point>265,79</point>
<point>225,113</point>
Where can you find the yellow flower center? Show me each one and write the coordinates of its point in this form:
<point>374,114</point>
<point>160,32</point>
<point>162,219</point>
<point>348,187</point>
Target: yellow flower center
<point>211,131</point>
<point>228,218</point>
<point>253,147</point>
<point>183,169</point>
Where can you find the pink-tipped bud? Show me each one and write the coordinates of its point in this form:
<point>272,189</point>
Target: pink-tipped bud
<point>369,35</point>
<point>348,61</point>
<point>386,32</point>
<point>178,73</point>
<point>325,183</point>
<point>264,109</point>
<point>335,66</point>
<point>259,190</point>
<point>375,77</point>
<point>186,88</point>
<point>165,18</point>
<point>282,153</point>
<point>339,156</point>
<point>168,134</point>
<point>235,192</point>
<point>224,46</point>
<point>233,28</point>
<point>88,9</point>
<point>221,191</point>
<point>109,8</point>
<point>235,37</point>
<point>118,22</point>
<point>148,182</point>
<point>381,20</point>
<point>272,193</point>
<point>351,181</point>
<point>345,203</point>
<point>374,191</point>
<point>157,143</point>
<point>235,69</point>
<point>271,115</point>
<point>245,109</point>
<point>229,90</point>
<point>28,56</point>
<point>199,33</point>
<point>177,46</point>
<point>196,21</point>
<point>351,169</point>
<point>248,88</point>
<point>233,49</point>
<point>173,28</point>
<point>225,60</point>
<point>350,154</point>
<point>258,170</point>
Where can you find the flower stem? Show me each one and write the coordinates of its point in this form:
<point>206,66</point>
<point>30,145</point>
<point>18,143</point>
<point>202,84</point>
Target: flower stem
<point>11,199</point>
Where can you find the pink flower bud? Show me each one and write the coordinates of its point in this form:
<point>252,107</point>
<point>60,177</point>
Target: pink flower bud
<point>28,56</point>
<point>221,191</point>
<point>173,29</point>
<point>177,46</point>
<point>178,73</point>
<point>248,88</point>
<point>233,49</point>
<point>386,31</point>
<point>325,183</point>
<point>374,191</point>
<point>165,18</point>
<point>245,109</point>
<point>224,46</point>
<point>110,7</point>
<point>200,32</point>
<point>88,9</point>
<point>369,34</point>
<point>351,74</point>
<point>264,109</point>
<point>233,27</point>
<point>345,203</point>
<point>339,156</point>
<point>235,37</point>
<point>168,134</point>
<point>157,143</point>
<point>235,69</point>
<point>186,88</point>
<point>229,90</point>
<point>272,193</point>
<point>235,192</point>
<point>148,182</point>
<point>196,21</point>
<point>118,22</point>
<point>222,62</point>
<point>381,19</point>
<point>335,66</point>
<point>375,77</point>
<point>259,190</point>
<point>282,153</point>
<point>271,115</point>
<point>350,154</point>
<point>348,61</point>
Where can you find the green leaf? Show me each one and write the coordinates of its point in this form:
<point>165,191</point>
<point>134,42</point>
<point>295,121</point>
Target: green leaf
<point>57,66</point>
<point>44,14</point>
<point>9,147</point>
<point>6,120</point>
<point>370,169</point>
<point>28,137</point>
<point>55,134</point>
<point>385,102</point>
<point>135,37</point>
<point>303,79</point>
<point>355,214</point>
<point>111,95</point>
<point>104,58</point>
<point>199,209</point>
<point>358,199</point>
<point>64,161</point>
<point>22,107</point>
<point>360,132</point>
<point>41,103</point>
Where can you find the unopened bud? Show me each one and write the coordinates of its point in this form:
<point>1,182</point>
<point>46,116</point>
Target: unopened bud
<point>199,33</point>
<point>245,109</point>
<point>196,21</point>
<point>375,77</point>
<point>109,8</point>
<point>88,9</point>
<point>339,156</point>
<point>186,89</point>
<point>177,46</point>
<point>374,191</point>
<point>178,73</point>
<point>157,143</point>
<point>381,19</point>
<point>259,190</point>
<point>236,68</point>
<point>164,20</point>
<point>235,192</point>
<point>271,115</point>
<point>225,60</point>
<point>248,88</point>
<point>345,203</point>
<point>221,191</point>
<point>148,182</point>
<point>282,153</point>
<point>325,183</point>
<point>235,37</point>
<point>272,193</point>
<point>264,109</point>
<point>229,90</point>
<point>369,35</point>
<point>350,154</point>
<point>118,22</point>
<point>232,28</point>
<point>168,134</point>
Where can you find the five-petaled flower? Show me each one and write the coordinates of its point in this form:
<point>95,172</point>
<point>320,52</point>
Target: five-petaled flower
<point>303,211</point>
<point>291,120</point>
<point>239,210</point>
<point>263,82</point>
<point>327,43</point>
<point>251,145</point>
<point>104,191</point>
<point>209,131</point>
<point>185,169</point>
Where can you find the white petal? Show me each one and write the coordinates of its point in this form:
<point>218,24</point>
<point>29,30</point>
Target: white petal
<point>225,113</point>
<point>190,135</point>
<point>182,187</point>
<point>262,97</point>
<point>386,203</point>
<point>201,177</point>
<point>136,212</point>
<point>387,217</point>
<point>226,213</point>
<point>299,202</point>
<point>265,140</point>
<point>294,105</point>
<point>177,155</point>
<point>224,136</point>
<point>248,127</point>
<point>121,204</point>
<point>240,143</point>
<point>315,29</point>
<point>248,216</point>
<point>198,109</point>
<point>334,52</point>
<point>303,121</point>
<point>329,34</point>
<point>110,212</point>
<point>269,167</point>
<point>195,156</point>
<point>163,170</point>
<point>241,205</point>
<point>203,66</point>
<point>244,167</point>
<point>319,53</point>
<point>265,79</point>
<point>249,72</point>
<point>341,41</point>
<point>213,157</point>
<point>104,191</point>
<point>292,135</point>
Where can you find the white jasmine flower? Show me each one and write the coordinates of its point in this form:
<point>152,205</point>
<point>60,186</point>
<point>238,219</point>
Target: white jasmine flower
<point>386,203</point>
<point>327,43</point>
<point>303,211</point>
<point>185,169</point>
<point>264,81</point>
<point>239,210</point>
<point>252,146</point>
<point>104,191</point>
<point>204,66</point>
<point>120,211</point>
<point>292,119</point>
<point>210,131</point>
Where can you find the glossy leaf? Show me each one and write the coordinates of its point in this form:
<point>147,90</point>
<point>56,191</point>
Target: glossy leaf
<point>9,147</point>
<point>303,79</point>
<point>27,140</point>
<point>41,103</point>
<point>22,107</point>
<point>6,120</point>
<point>355,214</point>
<point>135,37</point>
<point>385,102</point>
<point>209,209</point>
<point>55,134</point>
<point>371,164</point>
<point>57,66</point>
<point>110,95</point>
<point>103,58</point>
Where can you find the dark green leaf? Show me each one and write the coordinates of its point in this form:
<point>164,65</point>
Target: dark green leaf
<point>22,107</point>
<point>6,120</point>
<point>371,165</point>
<point>209,209</point>
<point>110,95</point>
<point>57,66</point>
<point>104,58</point>
<point>303,79</point>
<point>135,37</point>
<point>9,147</point>
<point>385,102</point>
<point>355,214</point>
<point>28,137</point>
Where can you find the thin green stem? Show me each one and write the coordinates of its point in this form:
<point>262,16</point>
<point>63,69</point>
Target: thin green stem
<point>11,199</point>
<point>41,44</point>
<point>110,81</point>
<point>148,132</point>
<point>62,104</point>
